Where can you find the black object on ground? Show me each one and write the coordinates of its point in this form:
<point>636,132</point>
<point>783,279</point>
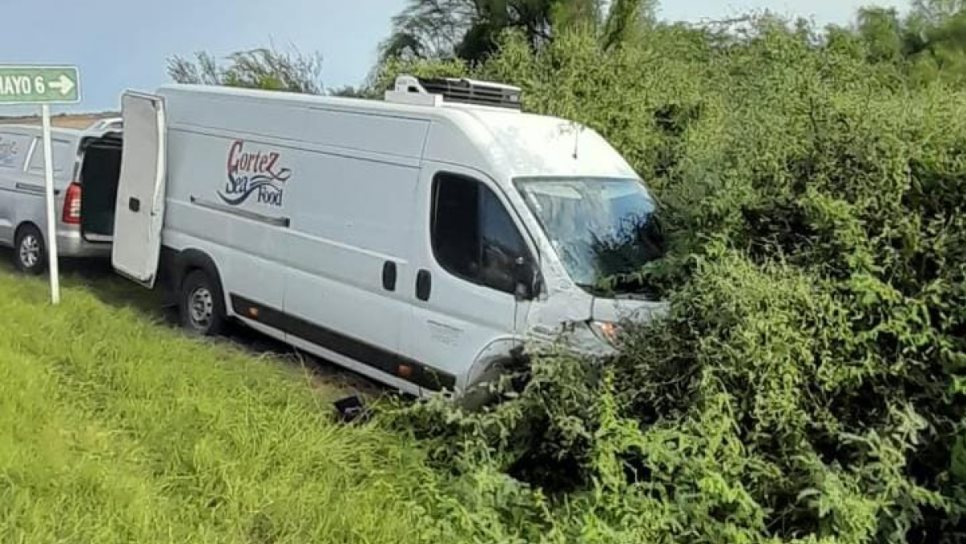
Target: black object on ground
<point>352,409</point>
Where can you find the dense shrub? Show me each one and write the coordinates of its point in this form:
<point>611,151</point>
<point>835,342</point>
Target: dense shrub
<point>808,382</point>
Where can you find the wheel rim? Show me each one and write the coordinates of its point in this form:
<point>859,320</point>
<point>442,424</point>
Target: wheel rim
<point>29,251</point>
<point>201,307</point>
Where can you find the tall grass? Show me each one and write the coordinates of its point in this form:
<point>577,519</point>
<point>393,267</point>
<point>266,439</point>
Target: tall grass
<point>113,429</point>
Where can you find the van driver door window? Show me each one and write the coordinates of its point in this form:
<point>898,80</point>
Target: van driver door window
<point>474,237</point>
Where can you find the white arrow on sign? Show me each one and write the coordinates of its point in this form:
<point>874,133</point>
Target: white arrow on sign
<point>64,84</point>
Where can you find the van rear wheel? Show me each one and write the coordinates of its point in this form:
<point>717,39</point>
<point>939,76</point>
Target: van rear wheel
<point>30,251</point>
<point>202,305</point>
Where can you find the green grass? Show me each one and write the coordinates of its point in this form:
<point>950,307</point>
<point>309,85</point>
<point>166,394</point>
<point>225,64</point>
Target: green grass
<point>115,429</point>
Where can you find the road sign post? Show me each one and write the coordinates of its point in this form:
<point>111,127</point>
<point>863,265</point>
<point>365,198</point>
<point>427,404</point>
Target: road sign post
<point>52,263</point>
<point>43,85</point>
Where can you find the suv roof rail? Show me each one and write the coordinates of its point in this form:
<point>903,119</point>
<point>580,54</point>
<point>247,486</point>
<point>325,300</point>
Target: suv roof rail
<point>433,92</point>
<point>107,123</point>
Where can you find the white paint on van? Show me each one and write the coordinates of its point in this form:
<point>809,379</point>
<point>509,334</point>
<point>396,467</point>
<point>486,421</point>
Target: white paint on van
<point>304,202</point>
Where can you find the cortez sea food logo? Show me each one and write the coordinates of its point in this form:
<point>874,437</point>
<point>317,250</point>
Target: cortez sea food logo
<point>255,173</point>
<point>8,152</point>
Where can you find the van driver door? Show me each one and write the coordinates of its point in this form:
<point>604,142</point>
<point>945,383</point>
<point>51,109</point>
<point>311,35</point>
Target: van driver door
<point>465,307</point>
<point>139,208</point>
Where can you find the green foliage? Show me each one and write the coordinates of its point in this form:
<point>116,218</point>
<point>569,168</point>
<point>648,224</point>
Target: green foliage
<point>263,68</point>
<point>928,44</point>
<point>807,385</point>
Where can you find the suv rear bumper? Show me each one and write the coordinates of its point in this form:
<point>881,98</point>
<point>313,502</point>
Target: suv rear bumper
<point>71,244</point>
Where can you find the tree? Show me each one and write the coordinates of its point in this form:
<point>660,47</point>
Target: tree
<point>928,44</point>
<point>430,28</point>
<point>936,11</point>
<point>263,68</point>
<point>882,32</point>
<point>470,29</point>
<point>624,19</point>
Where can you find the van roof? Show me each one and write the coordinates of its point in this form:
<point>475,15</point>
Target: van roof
<point>323,100</point>
<point>508,143</point>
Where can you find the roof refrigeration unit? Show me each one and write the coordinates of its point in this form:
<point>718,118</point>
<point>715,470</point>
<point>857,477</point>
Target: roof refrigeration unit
<point>434,92</point>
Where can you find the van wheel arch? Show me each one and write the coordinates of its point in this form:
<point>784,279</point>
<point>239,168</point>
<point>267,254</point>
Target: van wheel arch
<point>190,260</point>
<point>23,225</point>
<point>494,361</point>
<point>182,263</point>
<point>198,268</point>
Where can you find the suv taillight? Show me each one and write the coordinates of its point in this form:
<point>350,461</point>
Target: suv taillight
<point>72,204</point>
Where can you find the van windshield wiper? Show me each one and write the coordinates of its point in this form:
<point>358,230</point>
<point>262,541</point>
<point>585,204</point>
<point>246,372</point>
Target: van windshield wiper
<point>618,289</point>
<point>592,288</point>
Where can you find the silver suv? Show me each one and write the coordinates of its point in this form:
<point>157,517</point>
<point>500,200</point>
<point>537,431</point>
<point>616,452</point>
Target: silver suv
<point>90,157</point>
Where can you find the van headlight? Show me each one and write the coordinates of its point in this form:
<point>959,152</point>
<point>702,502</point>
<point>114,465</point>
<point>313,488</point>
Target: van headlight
<point>608,331</point>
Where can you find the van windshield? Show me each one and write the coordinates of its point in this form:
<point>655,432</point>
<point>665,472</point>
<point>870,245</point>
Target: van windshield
<point>601,228</point>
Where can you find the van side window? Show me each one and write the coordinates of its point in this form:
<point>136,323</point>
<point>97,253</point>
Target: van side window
<point>63,157</point>
<point>13,149</point>
<point>473,235</point>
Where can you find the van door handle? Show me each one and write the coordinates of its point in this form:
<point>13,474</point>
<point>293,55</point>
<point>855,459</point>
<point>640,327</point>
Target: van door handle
<point>134,204</point>
<point>389,276</point>
<point>424,284</point>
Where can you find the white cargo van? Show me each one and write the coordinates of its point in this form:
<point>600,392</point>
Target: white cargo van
<point>419,240</point>
<point>81,158</point>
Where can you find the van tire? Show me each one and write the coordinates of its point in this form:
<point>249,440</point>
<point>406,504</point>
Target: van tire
<point>202,304</point>
<point>30,251</point>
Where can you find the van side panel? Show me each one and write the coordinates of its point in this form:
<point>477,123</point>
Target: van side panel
<point>300,124</point>
<point>246,251</point>
<point>303,210</point>
<point>349,221</point>
<point>13,154</point>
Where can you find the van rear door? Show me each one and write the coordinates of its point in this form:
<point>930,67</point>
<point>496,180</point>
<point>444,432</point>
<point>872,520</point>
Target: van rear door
<point>139,209</point>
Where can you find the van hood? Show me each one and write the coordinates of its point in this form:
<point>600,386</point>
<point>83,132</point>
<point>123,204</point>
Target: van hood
<point>634,309</point>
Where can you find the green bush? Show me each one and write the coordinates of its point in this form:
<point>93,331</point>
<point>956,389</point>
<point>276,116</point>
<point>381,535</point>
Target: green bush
<point>808,383</point>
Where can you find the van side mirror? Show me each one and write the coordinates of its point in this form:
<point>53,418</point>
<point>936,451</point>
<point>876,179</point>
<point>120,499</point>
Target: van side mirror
<point>527,277</point>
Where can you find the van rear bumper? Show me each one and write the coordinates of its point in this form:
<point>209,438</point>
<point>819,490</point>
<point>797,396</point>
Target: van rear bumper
<point>71,244</point>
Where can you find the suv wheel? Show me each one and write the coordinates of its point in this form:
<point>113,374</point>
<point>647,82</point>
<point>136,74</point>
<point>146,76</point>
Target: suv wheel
<point>29,251</point>
<point>202,305</point>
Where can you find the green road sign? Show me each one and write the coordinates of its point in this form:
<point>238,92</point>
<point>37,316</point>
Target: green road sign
<point>39,84</point>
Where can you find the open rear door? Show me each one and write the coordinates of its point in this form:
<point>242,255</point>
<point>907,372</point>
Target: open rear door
<point>139,209</point>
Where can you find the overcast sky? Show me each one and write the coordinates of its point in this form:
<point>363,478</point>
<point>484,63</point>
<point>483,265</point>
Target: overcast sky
<point>122,44</point>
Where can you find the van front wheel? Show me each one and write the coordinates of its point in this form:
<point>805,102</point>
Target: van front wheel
<point>202,304</point>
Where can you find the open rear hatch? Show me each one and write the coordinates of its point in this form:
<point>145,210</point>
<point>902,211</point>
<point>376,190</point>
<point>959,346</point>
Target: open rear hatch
<point>99,176</point>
